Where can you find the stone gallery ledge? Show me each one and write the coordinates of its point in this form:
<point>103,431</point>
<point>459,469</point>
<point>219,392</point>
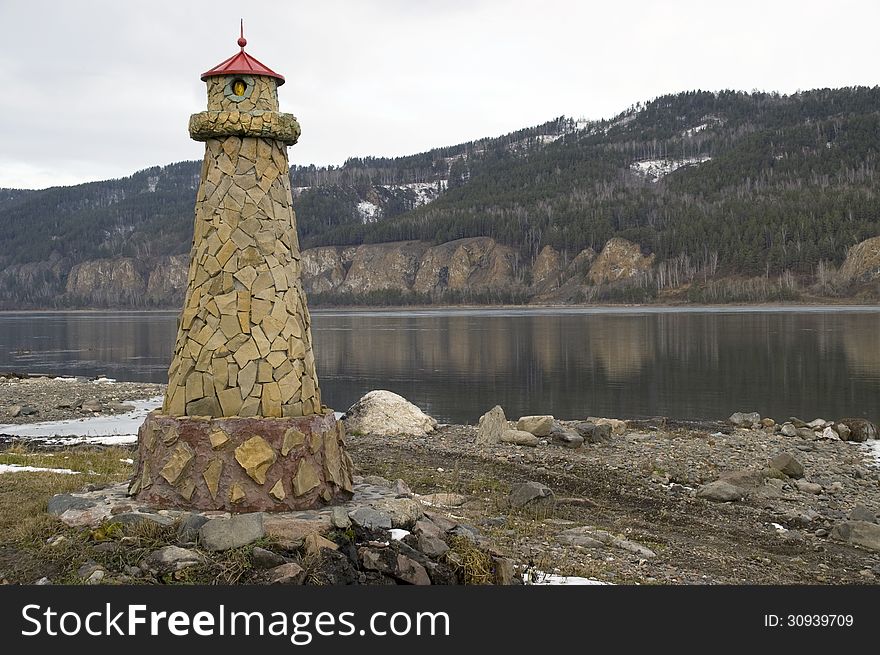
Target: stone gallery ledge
<point>242,464</point>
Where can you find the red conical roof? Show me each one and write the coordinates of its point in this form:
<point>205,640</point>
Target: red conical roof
<point>242,63</point>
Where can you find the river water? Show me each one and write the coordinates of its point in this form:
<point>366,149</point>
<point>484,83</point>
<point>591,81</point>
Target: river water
<point>457,363</point>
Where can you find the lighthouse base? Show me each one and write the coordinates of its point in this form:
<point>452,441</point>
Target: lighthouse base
<point>238,464</point>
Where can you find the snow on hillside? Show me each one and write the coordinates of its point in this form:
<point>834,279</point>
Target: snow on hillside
<point>368,211</point>
<point>654,169</point>
<point>425,192</point>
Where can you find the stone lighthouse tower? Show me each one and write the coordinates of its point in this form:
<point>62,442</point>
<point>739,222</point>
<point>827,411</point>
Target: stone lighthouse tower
<point>242,427</point>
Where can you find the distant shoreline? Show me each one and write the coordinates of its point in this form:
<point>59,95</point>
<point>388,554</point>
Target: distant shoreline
<point>843,305</point>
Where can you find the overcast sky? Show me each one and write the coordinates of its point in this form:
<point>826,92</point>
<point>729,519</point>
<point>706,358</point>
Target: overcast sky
<point>91,90</point>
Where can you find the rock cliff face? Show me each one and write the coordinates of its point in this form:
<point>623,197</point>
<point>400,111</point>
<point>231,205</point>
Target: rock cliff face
<point>476,264</point>
<point>862,264</point>
<point>106,282</point>
<point>167,280</point>
<point>619,260</point>
<point>383,266</point>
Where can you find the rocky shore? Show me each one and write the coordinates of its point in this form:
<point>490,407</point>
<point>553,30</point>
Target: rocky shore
<point>744,500</point>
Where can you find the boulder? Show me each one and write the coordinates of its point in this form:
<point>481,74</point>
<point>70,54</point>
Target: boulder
<point>860,533</point>
<point>391,562</point>
<point>567,438</point>
<point>531,495</point>
<point>234,532</point>
<point>817,424</point>
<point>594,432</point>
<point>844,431</point>
<point>371,519</point>
<point>788,464</point>
<point>433,547</point>
<point>491,427</point>
<point>745,419</point>
<point>519,438</point>
<point>860,429</point>
<point>540,426</point>
<point>60,503</point>
<point>720,491</point>
<point>862,513</point>
<point>592,538</point>
<point>618,427</point>
<point>404,512</point>
<point>385,413</point>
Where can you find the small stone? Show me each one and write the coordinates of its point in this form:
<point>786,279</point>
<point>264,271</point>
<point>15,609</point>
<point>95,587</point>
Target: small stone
<point>27,410</point>
<point>238,530</point>
<point>262,558</point>
<point>404,512</point>
<point>843,430</point>
<point>768,422</point>
<point>96,577</point>
<point>313,544</point>
<point>540,426</point>
<point>43,581</point>
<point>808,487</point>
<point>432,546</point>
<point>290,573</point>
<point>189,526</point>
<point>829,433</point>
<point>531,495</point>
<point>339,518</point>
<point>788,464</point>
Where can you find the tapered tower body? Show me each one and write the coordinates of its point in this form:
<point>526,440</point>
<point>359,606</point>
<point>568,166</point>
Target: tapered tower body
<point>242,426</point>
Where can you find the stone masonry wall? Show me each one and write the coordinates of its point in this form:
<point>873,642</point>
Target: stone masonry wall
<point>244,341</point>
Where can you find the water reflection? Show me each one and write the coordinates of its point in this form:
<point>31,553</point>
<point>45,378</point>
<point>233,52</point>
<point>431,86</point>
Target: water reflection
<point>571,363</point>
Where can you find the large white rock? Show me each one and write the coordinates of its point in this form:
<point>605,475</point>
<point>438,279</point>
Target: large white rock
<point>384,413</point>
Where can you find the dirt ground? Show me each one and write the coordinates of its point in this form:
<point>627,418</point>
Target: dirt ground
<point>640,485</point>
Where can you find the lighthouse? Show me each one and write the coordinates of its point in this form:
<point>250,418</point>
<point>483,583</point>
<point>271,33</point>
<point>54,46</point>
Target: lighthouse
<point>242,427</point>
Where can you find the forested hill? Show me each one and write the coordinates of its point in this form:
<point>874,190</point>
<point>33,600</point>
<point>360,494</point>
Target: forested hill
<point>742,184</point>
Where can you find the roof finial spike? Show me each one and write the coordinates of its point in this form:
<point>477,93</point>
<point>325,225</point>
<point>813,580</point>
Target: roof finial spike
<point>242,42</point>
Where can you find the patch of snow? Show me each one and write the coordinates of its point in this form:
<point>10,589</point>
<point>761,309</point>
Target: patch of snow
<point>654,169</point>
<point>368,212</point>
<point>104,430</point>
<point>779,527</point>
<point>15,468</point>
<point>104,380</point>
<point>873,447</point>
<point>535,577</point>
<point>151,183</point>
<point>621,122</point>
<point>127,460</point>
<point>64,379</point>
<point>693,130</point>
<point>425,191</point>
<point>397,534</point>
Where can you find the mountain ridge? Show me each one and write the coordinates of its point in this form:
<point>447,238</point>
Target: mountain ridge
<point>723,185</point>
